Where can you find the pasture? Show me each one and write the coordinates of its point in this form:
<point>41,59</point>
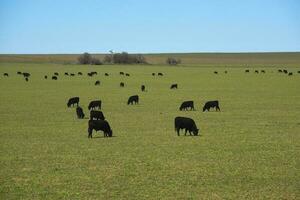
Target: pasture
<point>249,150</point>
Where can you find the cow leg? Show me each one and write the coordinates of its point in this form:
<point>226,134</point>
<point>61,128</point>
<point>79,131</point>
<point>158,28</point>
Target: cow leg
<point>218,108</point>
<point>177,129</point>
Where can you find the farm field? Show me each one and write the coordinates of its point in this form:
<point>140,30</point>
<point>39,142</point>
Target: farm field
<point>249,150</point>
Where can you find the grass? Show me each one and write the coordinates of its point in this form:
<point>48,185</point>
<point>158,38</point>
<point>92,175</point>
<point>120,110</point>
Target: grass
<point>249,150</point>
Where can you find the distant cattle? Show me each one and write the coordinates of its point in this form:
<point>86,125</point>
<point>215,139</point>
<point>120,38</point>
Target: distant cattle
<point>133,99</point>
<point>174,86</point>
<point>72,74</point>
<point>121,73</point>
<point>45,77</point>
<point>215,72</point>
<point>143,88</point>
<point>127,74</point>
<point>19,73</point>
<point>122,84</point>
<point>79,73</point>
<point>262,71</point>
<point>95,105</point>
<point>72,101</point>
<point>66,73</point>
<point>290,74</point>
<point>99,125</point>
<point>247,70</point>
<point>96,115</point>
<point>280,71</point>
<point>5,74</point>
<point>298,72</point>
<point>186,105</point>
<point>56,73</point>
<point>187,124</point>
<point>285,71</point>
<point>97,83</point>
<point>79,112</point>
<point>26,79</point>
<point>211,104</point>
<point>160,74</point>
<point>90,74</point>
<point>26,74</point>
<point>153,74</point>
<point>225,72</point>
<point>54,77</point>
<point>106,74</point>
<point>256,71</point>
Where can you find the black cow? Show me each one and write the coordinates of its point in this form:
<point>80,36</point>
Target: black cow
<point>153,74</point>
<point>79,73</point>
<point>174,86</point>
<point>187,104</point>
<point>96,115</point>
<point>211,104</point>
<point>79,112</point>
<point>94,105</point>
<point>225,72</point>
<point>90,74</point>
<point>280,71</point>
<point>133,99</point>
<point>72,101</point>
<point>215,72</point>
<point>256,71</point>
<point>26,79</point>
<point>45,77</point>
<point>127,74</point>
<point>121,73</point>
<point>298,72</point>
<point>5,74</point>
<point>160,74</point>
<point>66,73</point>
<point>247,70</point>
<point>19,73</point>
<point>26,74</point>
<point>72,74</point>
<point>54,77</point>
<point>106,74</point>
<point>122,84</point>
<point>56,73</point>
<point>285,71</point>
<point>99,125</point>
<point>97,83</point>
<point>262,71</point>
<point>186,123</point>
<point>291,73</point>
<point>143,88</point>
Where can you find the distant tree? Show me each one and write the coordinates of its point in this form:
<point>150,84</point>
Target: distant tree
<point>173,61</point>
<point>85,58</point>
<point>125,58</point>
<point>96,61</point>
<point>108,59</point>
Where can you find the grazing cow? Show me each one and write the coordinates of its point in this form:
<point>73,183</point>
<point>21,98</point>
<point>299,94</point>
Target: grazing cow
<point>72,101</point>
<point>90,74</point>
<point>26,74</point>
<point>66,73</point>
<point>160,74</point>
<point>106,74</point>
<point>96,115</point>
<point>247,70</point>
<point>280,71</point>
<point>133,99</point>
<point>225,72</point>
<point>56,73</point>
<point>121,73</point>
<point>298,72</point>
<point>99,125</point>
<point>256,71</point>
<point>143,88</point>
<point>215,72</point>
<point>95,105</point>
<point>187,104</point>
<point>153,74</point>
<point>54,77</point>
<point>291,73</point>
<point>262,71</point>
<point>5,74</point>
<point>19,73</point>
<point>127,74</point>
<point>174,86</point>
<point>79,73</point>
<point>45,77</point>
<point>122,84</point>
<point>94,73</point>
<point>285,71</point>
<point>79,112</point>
<point>72,74</point>
<point>186,123</point>
<point>26,79</point>
<point>211,104</point>
<point>97,83</point>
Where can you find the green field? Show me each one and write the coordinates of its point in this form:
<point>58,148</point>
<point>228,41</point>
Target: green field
<point>249,150</point>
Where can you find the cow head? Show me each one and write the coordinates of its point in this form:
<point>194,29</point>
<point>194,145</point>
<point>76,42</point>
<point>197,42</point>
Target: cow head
<point>196,131</point>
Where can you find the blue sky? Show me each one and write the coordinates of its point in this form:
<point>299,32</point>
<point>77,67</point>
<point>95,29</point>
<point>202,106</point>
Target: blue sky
<point>149,26</point>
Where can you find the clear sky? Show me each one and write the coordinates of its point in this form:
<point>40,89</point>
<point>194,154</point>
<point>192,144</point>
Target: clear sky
<point>149,26</point>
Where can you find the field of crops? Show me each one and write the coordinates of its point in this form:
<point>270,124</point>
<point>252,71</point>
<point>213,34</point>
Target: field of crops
<point>249,150</point>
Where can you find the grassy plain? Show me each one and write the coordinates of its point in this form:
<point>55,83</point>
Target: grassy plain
<point>249,150</point>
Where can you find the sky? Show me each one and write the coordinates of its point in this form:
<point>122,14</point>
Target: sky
<point>148,26</point>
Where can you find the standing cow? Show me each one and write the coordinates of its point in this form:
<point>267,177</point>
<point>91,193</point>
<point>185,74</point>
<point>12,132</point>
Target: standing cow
<point>122,84</point>
<point>96,115</point>
<point>94,105</point>
<point>211,104</point>
<point>143,88</point>
<point>97,83</point>
<point>72,101</point>
<point>79,112</point>
<point>174,86</point>
<point>133,99</point>
<point>186,123</point>
<point>187,104</point>
<point>98,125</point>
